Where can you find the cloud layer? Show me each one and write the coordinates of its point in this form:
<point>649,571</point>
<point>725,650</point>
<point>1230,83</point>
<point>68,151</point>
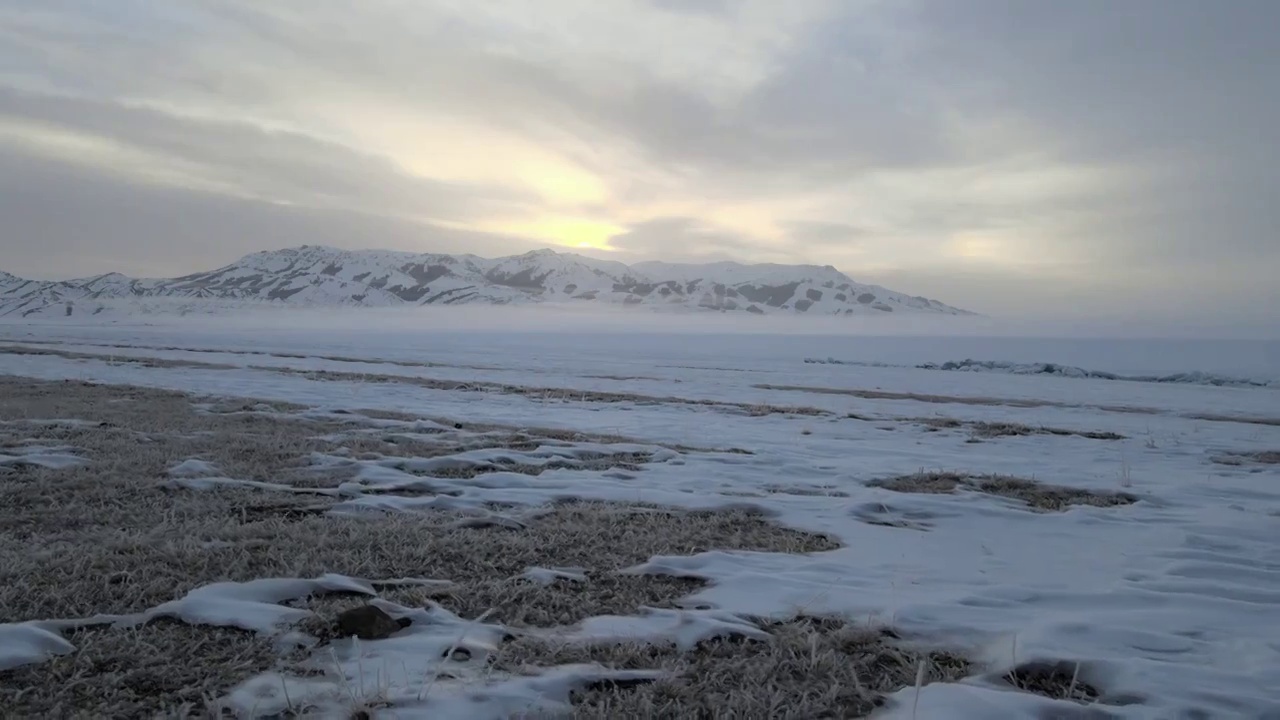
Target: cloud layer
<point>1060,159</point>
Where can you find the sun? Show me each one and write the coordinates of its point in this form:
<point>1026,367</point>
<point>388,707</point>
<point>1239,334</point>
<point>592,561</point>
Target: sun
<point>973,246</point>
<point>587,234</point>
<point>569,232</point>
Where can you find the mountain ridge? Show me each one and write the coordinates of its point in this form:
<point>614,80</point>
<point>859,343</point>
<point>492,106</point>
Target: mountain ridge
<point>312,275</point>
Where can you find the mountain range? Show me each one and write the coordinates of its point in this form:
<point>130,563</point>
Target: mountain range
<point>322,276</point>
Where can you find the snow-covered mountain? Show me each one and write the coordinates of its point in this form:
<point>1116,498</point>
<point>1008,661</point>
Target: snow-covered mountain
<point>323,276</point>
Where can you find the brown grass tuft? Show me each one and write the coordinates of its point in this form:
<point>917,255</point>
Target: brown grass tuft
<point>933,424</point>
<point>813,667</point>
<point>1057,680</point>
<point>929,483</point>
<point>986,430</point>
<point>1246,419</point>
<point>1266,457</point>
<point>1038,496</point>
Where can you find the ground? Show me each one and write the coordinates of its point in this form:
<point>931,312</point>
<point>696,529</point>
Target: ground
<point>563,526</point>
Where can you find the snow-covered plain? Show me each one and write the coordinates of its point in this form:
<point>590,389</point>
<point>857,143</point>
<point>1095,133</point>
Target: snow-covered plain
<point>1169,606</point>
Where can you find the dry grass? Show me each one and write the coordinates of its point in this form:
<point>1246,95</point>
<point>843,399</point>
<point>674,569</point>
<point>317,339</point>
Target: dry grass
<point>1266,457</point>
<point>980,431</point>
<point>545,393</point>
<point>392,448</point>
<point>562,394</point>
<point>261,353</point>
<point>141,409</point>
<point>1060,681</point>
<point>1007,402</point>
<point>805,490</point>
<point>163,668</point>
<point>1037,496</point>
<point>112,537</point>
<point>986,431</point>
<point>549,394</point>
<point>813,668</point>
<point>934,424</point>
<point>626,461</point>
<point>114,359</point>
<point>1041,496</point>
<point>378,414</point>
<point>554,435</point>
<point>1248,420</point>
<point>928,483</point>
<point>517,436</point>
<point>918,397</point>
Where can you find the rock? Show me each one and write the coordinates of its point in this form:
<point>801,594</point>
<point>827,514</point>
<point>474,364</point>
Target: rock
<point>459,654</point>
<point>369,623</point>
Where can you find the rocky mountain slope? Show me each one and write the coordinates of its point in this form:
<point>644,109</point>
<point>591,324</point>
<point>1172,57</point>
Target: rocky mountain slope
<point>322,276</point>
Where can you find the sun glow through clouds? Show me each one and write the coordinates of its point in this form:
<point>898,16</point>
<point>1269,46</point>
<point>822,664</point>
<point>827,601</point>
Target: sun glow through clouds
<point>571,232</point>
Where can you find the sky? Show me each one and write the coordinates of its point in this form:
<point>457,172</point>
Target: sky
<point>1094,158</point>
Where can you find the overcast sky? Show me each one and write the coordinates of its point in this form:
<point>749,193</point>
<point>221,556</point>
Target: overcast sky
<point>1090,158</point>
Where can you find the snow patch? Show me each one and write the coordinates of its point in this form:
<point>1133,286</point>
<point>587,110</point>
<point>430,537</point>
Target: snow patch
<point>1193,377</point>
<point>684,628</point>
<point>435,668</point>
<point>549,576</point>
<point>27,643</point>
<point>194,468</point>
<point>252,605</point>
<point>54,458</point>
<point>210,483</point>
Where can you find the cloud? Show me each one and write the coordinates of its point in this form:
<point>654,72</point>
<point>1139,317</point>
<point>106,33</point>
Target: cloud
<point>818,233</point>
<point>695,7</point>
<point>235,158</point>
<point>682,239</point>
<point>1181,88</point>
<point>64,220</point>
